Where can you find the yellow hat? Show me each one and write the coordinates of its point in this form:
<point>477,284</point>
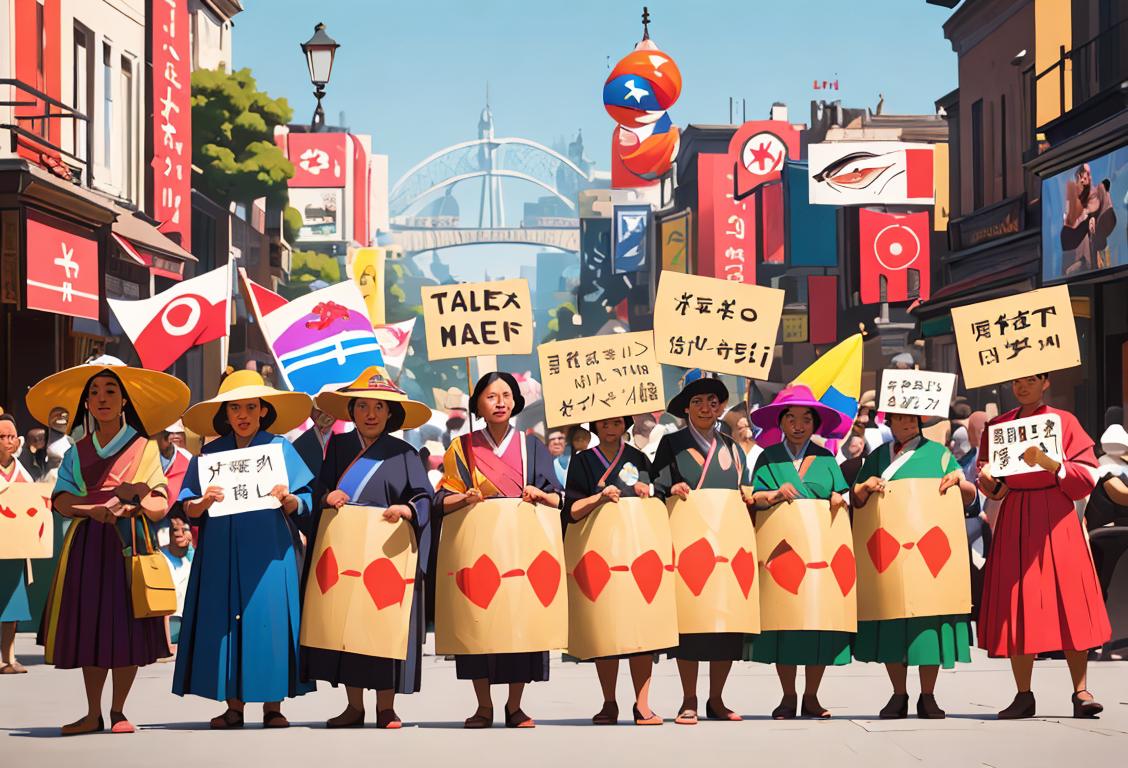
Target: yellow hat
<point>157,397</point>
<point>292,407</point>
<point>374,384</point>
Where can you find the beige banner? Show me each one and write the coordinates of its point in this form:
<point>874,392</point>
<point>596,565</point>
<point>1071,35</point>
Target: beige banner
<point>1015,336</point>
<point>715,563</point>
<point>500,580</point>
<point>358,596</point>
<point>471,319</point>
<point>26,527</point>
<point>620,583</point>
<point>807,570</point>
<point>912,553</point>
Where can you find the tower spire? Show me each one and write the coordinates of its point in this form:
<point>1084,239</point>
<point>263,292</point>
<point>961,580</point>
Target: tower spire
<point>645,23</point>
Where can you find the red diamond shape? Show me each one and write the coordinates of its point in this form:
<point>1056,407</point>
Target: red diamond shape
<point>843,567</point>
<point>384,583</point>
<point>326,571</point>
<point>696,565</point>
<point>935,549</point>
<point>786,567</point>
<point>544,576</point>
<point>647,571</point>
<point>591,574</point>
<point>744,568</point>
<point>479,582</point>
<point>883,549</point>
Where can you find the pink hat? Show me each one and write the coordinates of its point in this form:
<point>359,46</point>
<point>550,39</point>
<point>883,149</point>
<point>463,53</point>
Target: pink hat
<point>796,396</point>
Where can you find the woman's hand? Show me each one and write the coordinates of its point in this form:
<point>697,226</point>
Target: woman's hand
<point>837,501</point>
<point>102,514</point>
<point>950,480</point>
<point>786,492</point>
<point>337,499</point>
<point>397,512</point>
<point>875,484</point>
<point>642,490</point>
<point>286,500</point>
<point>472,496</point>
<point>533,495</point>
<point>610,493</point>
<point>986,481</point>
<point>681,490</point>
<point>1036,456</point>
<point>213,494</point>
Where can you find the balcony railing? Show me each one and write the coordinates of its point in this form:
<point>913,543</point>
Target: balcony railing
<point>33,122</point>
<point>1096,66</point>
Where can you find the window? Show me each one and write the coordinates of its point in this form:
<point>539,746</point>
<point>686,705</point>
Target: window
<point>977,176</point>
<point>107,105</point>
<point>80,98</point>
<point>128,141</point>
<point>1003,140</point>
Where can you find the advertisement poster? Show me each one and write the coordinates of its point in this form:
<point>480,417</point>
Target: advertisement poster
<point>1085,217</point>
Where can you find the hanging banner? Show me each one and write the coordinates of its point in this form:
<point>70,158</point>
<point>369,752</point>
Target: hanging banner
<point>62,268</point>
<point>500,580</point>
<point>870,173</point>
<point>822,292</point>
<point>631,244</point>
<point>471,319</point>
<point>757,152</point>
<point>912,553</point>
<point>170,108</point>
<point>674,234</point>
<point>358,597</point>
<point>807,571</point>
<point>620,581</point>
<point>1008,440</point>
<point>246,475</point>
<point>1015,336</point>
<point>726,233</point>
<point>924,393</point>
<point>715,562</point>
<point>26,527</point>
<point>716,325</point>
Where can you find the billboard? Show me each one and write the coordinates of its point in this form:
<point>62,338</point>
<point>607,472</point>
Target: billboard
<point>322,213</point>
<point>870,173</point>
<point>1084,217</point>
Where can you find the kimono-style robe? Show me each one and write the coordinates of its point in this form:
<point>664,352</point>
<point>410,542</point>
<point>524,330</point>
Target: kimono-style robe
<point>387,472</point>
<point>500,471</point>
<point>239,637</point>
<point>923,640</point>
<point>13,573</point>
<point>822,477</point>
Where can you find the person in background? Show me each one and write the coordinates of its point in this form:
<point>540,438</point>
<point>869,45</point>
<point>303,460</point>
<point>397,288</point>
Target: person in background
<point>312,443</point>
<point>852,456</point>
<point>578,439</point>
<point>59,441</point>
<point>179,553</point>
<point>741,432</point>
<point>14,606</point>
<point>557,449</point>
<point>174,460</point>
<point>33,454</point>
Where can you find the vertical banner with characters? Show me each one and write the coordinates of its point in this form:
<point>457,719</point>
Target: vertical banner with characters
<point>631,243</point>
<point>674,240</point>
<point>494,318</point>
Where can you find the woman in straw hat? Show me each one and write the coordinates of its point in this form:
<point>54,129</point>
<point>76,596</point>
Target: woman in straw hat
<point>796,468</point>
<point>106,480</point>
<point>697,457</point>
<point>370,468</point>
<point>505,464</point>
<point>239,636</point>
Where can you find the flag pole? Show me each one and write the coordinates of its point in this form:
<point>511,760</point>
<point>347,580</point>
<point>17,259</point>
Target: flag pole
<point>470,420</point>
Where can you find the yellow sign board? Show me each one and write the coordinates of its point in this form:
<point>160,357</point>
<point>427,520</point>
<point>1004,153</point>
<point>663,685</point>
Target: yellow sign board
<point>470,319</point>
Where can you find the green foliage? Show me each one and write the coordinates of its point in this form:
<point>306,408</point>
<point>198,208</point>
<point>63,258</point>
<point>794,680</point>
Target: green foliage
<point>305,268</point>
<point>560,326</point>
<point>291,223</point>
<point>233,137</point>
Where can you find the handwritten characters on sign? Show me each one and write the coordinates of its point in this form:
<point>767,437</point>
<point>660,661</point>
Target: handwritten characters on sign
<point>924,393</point>
<point>599,377</point>
<point>246,475</point>
<point>1007,441</point>
<point>1016,336</point>
<point>469,319</point>
<point>716,325</point>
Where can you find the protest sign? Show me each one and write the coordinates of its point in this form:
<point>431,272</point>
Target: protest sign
<point>246,476</point>
<point>716,325</point>
<point>1008,440</point>
<point>923,393</point>
<point>26,528</point>
<point>599,377</point>
<point>1016,336</point>
<point>469,319</point>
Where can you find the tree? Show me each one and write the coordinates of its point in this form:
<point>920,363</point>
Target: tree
<point>233,126</point>
<point>307,267</point>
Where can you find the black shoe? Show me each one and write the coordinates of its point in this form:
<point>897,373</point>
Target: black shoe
<point>897,708</point>
<point>928,709</point>
<point>1086,707</point>
<point>1021,707</point>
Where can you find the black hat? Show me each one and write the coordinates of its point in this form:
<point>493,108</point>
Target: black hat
<point>628,422</point>
<point>490,378</point>
<point>703,386</point>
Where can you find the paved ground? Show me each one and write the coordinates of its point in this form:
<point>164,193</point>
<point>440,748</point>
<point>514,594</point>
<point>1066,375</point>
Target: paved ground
<point>174,730</point>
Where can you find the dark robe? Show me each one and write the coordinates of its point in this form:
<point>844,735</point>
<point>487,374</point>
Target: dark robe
<point>309,447</point>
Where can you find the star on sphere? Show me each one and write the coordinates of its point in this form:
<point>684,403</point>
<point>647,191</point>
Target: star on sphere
<point>636,93</point>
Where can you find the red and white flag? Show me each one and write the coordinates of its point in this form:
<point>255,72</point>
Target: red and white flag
<point>164,327</point>
<point>395,339</point>
<point>892,248</point>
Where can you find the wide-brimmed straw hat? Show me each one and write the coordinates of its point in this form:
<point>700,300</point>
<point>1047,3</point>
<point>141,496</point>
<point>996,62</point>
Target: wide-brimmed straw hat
<point>157,397</point>
<point>679,406</point>
<point>292,408</point>
<point>767,417</point>
<point>375,384</point>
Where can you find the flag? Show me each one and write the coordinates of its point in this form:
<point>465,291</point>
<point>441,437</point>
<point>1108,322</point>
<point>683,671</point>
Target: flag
<point>165,326</point>
<point>395,338</point>
<point>893,247</point>
<point>321,340</point>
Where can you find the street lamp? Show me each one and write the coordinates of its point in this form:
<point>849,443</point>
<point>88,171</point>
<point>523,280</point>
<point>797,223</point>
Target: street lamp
<point>319,51</point>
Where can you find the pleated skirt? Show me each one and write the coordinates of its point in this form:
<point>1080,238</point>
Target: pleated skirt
<point>924,641</point>
<point>799,648</point>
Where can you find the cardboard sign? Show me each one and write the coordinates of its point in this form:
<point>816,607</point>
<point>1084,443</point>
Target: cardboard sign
<point>1008,440</point>
<point>599,377</point>
<point>500,575</point>
<point>716,325</point>
<point>358,597</point>
<point>807,571</point>
<point>26,527</point>
<point>1021,335</point>
<point>715,563</point>
<point>923,393</point>
<point>470,319</point>
<point>246,476</point>
<point>912,553</point>
<point>620,580</point>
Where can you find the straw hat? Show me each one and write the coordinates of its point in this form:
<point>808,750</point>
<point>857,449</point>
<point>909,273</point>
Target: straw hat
<point>292,407</point>
<point>375,384</point>
<point>157,397</point>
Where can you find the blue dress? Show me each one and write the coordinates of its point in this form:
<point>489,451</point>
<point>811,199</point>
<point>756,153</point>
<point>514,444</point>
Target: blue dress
<point>239,637</point>
<point>13,581</point>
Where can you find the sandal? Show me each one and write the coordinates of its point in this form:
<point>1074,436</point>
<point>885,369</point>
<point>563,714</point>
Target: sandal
<point>609,715</point>
<point>818,711</point>
<point>344,721</point>
<point>274,719</point>
<point>518,719</point>
<point>928,709</point>
<point>787,709</point>
<point>120,724</point>
<point>388,720</point>
<point>688,713</point>
<point>232,718</point>
<point>77,728</point>
<point>482,718</point>
<point>724,713</point>
<point>1086,707</point>
<point>15,668</point>
<point>654,719</point>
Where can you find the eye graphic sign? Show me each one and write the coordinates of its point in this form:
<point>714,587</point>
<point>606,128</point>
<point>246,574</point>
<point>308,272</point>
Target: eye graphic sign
<point>870,173</point>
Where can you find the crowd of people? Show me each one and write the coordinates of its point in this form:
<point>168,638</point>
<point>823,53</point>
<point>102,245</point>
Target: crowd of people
<point>115,447</point>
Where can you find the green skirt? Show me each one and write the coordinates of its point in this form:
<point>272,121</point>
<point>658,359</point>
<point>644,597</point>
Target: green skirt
<point>796,647</point>
<point>926,641</point>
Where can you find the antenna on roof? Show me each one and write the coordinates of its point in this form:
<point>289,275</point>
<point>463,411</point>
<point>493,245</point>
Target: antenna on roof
<point>645,23</point>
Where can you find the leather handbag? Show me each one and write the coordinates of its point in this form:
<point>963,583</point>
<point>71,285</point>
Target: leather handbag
<point>154,593</point>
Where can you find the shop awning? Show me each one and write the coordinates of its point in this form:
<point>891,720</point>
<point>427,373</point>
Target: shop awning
<point>973,289</point>
<point>145,244</point>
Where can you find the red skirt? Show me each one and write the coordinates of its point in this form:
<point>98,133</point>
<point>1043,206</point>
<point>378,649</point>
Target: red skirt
<point>1040,589</point>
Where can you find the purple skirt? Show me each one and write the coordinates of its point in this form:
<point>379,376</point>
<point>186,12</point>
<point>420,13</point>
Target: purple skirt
<point>92,606</point>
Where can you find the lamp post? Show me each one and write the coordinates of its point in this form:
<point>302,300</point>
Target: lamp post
<point>319,51</point>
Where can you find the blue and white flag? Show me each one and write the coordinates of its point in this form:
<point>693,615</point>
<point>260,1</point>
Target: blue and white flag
<point>631,232</point>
